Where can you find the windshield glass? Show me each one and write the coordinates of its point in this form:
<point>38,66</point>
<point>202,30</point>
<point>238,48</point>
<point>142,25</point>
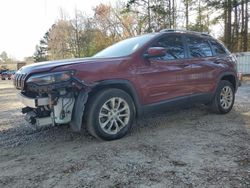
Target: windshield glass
<point>125,47</point>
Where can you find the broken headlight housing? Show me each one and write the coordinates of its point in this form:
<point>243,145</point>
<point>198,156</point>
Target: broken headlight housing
<point>50,78</point>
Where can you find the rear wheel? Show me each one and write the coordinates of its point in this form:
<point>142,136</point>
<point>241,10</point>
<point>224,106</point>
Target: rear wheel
<point>110,114</point>
<point>224,98</point>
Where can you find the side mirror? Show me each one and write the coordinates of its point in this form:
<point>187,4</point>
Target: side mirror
<point>155,52</point>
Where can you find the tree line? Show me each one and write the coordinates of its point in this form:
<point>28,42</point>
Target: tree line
<point>84,35</point>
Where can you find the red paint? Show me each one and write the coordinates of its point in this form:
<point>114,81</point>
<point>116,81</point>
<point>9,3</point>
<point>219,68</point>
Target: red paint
<point>156,51</point>
<point>154,80</point>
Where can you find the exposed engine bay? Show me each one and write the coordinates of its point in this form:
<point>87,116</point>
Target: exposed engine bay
<point>55,104</point>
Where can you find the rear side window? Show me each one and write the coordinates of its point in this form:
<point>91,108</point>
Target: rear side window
<point>218,48</point>
<point>198,47</point>
<point>174,46</point>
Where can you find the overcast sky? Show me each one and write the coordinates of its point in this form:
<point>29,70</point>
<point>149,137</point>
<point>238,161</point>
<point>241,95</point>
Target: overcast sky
<point>24,22</point>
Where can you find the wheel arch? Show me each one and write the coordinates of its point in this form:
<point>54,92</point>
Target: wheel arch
<point>231,77</point>
<point>124,85</point>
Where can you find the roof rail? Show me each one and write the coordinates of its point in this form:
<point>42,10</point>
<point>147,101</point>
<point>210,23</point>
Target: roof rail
<point>205,34</point>
<point>172,30</point>
<point>186,31</point>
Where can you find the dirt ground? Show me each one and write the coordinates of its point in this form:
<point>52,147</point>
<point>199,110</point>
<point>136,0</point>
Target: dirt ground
<point>181,148</point>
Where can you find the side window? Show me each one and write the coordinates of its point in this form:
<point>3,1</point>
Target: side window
<point>198,47</point>
<point>174,46</point>
<point>218,48</point>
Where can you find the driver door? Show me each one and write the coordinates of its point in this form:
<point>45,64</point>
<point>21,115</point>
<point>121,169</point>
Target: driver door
<point>168,77</point>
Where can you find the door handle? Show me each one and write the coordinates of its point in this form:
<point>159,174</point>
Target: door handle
<point>219,61</point>
<point>185,65</point>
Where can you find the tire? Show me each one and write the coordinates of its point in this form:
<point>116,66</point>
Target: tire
<point>110,114</point>
<point>224,98</point>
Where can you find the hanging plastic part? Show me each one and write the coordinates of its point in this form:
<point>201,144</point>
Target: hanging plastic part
<point>76,121</point>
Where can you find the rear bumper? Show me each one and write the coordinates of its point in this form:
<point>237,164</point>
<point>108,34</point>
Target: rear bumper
<point>33,102</point>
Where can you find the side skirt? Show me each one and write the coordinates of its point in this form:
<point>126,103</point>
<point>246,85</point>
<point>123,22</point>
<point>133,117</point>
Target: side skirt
<point>179,102</point>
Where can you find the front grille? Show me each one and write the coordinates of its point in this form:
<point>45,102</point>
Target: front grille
<point>19,81</point>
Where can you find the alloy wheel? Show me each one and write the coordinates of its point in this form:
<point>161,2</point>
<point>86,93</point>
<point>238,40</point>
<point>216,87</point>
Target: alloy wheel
<point>226,97</point>
<point>114,115</point>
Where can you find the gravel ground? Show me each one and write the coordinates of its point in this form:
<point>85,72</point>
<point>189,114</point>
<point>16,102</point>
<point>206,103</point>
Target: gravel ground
<point>184,148</point>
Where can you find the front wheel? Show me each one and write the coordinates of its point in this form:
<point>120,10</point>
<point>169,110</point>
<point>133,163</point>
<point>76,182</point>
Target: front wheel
<point>110,114</point>
<point>224,98</point>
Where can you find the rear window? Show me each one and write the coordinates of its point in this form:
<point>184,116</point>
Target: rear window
<point>218,48</point>
<point>198,47</point>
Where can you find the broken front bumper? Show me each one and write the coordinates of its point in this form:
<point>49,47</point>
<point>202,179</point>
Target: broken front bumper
<point>33,102</point>
<point>59,103</point>
<point>46,111</point>
<point>66,109</point>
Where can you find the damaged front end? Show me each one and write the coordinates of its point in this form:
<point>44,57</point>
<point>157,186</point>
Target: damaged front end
<point>52,98</point>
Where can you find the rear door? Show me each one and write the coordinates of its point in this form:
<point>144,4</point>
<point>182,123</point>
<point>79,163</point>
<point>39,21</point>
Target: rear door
<point>203,63</point>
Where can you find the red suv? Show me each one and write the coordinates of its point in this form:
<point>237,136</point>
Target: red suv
<point>130,78</point>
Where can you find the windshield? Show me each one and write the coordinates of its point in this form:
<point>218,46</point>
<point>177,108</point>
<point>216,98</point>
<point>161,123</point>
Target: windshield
<point>125,47</point>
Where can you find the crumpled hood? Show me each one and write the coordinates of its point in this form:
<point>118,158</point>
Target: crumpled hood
<point>49,65</point>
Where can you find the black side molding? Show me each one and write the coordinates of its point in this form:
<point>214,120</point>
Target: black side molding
<point>179,102</point>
